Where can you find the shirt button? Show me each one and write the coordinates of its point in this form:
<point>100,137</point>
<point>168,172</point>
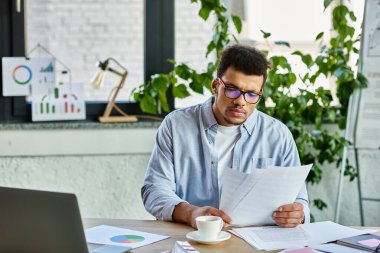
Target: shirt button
<point>212,162</point>
<point>210,142</point>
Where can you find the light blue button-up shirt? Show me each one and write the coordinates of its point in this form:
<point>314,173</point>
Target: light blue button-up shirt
<point>183,165</point>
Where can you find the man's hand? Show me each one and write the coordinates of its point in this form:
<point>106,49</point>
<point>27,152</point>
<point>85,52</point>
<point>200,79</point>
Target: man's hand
<point>186,213</point>
<point>289,216</point>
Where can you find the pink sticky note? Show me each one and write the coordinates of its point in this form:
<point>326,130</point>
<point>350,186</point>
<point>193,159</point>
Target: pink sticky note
<point>370,242</point>
<point>302,250</point>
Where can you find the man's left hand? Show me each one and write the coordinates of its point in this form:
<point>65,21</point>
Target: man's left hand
<point>289,216</point>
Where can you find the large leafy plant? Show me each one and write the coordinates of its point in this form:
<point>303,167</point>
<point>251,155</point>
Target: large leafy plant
<point>304,113</point>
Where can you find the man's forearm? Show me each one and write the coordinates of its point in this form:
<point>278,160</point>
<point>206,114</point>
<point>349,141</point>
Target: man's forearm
<point>182,212</point>
<point>159,201</point>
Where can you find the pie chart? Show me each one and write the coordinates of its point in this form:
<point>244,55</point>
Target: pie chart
<point>127,238</point>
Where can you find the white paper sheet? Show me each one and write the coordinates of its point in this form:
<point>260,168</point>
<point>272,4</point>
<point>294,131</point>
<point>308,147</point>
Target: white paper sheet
<point>328,231</point>
<point>121,237</point>
<point>250,199</point>
<point>20,73</point>
<point>235,186</point>
<point>58,102</point>
<point>275,238</point>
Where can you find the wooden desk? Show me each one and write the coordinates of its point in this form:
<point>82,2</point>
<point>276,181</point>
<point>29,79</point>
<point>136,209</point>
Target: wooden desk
<point>176,232</point>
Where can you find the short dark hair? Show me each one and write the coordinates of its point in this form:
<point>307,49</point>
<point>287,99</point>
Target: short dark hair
<point>243,58</point>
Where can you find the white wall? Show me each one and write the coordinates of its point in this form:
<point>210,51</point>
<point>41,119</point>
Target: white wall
<point>107,186</point>
<point>104,167</point>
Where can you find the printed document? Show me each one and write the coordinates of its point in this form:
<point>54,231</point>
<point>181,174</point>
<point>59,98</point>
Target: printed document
<point>250,199</point>
<point>275,238</point>
<point>121,237</point>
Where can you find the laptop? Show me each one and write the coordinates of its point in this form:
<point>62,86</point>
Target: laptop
<point>40,222</point>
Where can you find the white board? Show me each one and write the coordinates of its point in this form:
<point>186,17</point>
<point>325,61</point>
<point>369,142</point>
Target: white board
<point>367,134</point>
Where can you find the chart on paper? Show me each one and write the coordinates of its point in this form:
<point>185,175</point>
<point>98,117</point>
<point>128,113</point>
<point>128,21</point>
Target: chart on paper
<point>121,237</point>
<point>63,102</point>
<point>19,73</point>
<point>127,238</point>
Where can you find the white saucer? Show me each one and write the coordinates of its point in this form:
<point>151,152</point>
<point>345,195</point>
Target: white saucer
<point>222,236</point>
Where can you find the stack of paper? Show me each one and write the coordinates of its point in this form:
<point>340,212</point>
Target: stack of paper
<point>275,238</point>
<point>250,199</point>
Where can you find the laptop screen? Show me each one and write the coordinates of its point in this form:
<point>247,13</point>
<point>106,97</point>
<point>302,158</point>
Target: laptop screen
<point>39,221</point>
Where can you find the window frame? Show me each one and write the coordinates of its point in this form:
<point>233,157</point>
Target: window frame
<point>159,46</point>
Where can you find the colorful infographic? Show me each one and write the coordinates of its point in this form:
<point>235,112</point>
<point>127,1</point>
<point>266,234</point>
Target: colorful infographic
<point>127,238</point>
<point>20,73</point>
<point>58,102</point>
<point>121,237</point>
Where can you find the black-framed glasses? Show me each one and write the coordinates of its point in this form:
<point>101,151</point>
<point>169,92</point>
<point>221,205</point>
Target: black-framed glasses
<point>233,93</point>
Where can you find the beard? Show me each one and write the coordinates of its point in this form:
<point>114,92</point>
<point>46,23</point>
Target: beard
<point>232,123</point>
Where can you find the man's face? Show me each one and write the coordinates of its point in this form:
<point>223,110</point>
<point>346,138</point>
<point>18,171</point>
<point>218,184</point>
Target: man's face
<point>227,111</point>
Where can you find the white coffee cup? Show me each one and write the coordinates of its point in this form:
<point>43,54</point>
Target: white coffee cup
<point>209,226</point>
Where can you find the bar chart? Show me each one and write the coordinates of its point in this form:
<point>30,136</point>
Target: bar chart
<point>62,102</point>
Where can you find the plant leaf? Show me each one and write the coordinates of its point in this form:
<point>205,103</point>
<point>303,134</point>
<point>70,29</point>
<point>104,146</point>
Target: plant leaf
<point>237,22</point>
<point>326,3</point>
<point>319,36</point>
<point>352,16</point>
<point>183,71</point>
<point>265,34</point>
<point>282,43</point>
<point>204,12</point>
<point>180,91</point>
<point>332,115</point>
<point>210,47</point>
<point>164,101</point>
<point>320,204</point>
<point>148,104</point>
<point>362,80</point>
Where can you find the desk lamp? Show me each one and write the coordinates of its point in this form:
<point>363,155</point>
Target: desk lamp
<point>97,82</point>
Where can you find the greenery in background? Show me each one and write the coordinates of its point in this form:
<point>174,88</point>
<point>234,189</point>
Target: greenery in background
<point>310,107</point>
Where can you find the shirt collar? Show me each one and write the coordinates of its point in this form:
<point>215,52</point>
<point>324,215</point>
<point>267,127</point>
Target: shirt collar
<point>209,119</point>
<point>208,115</point>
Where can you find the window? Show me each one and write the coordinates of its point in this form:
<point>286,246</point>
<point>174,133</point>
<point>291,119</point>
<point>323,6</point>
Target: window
<point>81,33</point>
<point>295,21</point>
<point>192,35</point>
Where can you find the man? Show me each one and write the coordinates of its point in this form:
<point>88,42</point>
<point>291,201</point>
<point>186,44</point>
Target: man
<point>194,144</point>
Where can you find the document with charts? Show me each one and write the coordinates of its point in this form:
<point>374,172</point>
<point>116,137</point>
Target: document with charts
<point>250,199</point>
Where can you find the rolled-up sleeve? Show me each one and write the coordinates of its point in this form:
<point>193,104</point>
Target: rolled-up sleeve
<point>292,159</point>
<point>158,191</point>
<point>303,199</point>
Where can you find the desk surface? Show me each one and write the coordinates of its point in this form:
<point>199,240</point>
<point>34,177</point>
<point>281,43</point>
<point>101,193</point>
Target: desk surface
<point>176,232</point>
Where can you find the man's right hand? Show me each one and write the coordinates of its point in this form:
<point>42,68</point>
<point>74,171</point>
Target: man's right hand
<point>186,213</point>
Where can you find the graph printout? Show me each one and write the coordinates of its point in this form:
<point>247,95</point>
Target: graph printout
<point>58,102</point>
<point>20,73</point>
<point>121,237</point>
